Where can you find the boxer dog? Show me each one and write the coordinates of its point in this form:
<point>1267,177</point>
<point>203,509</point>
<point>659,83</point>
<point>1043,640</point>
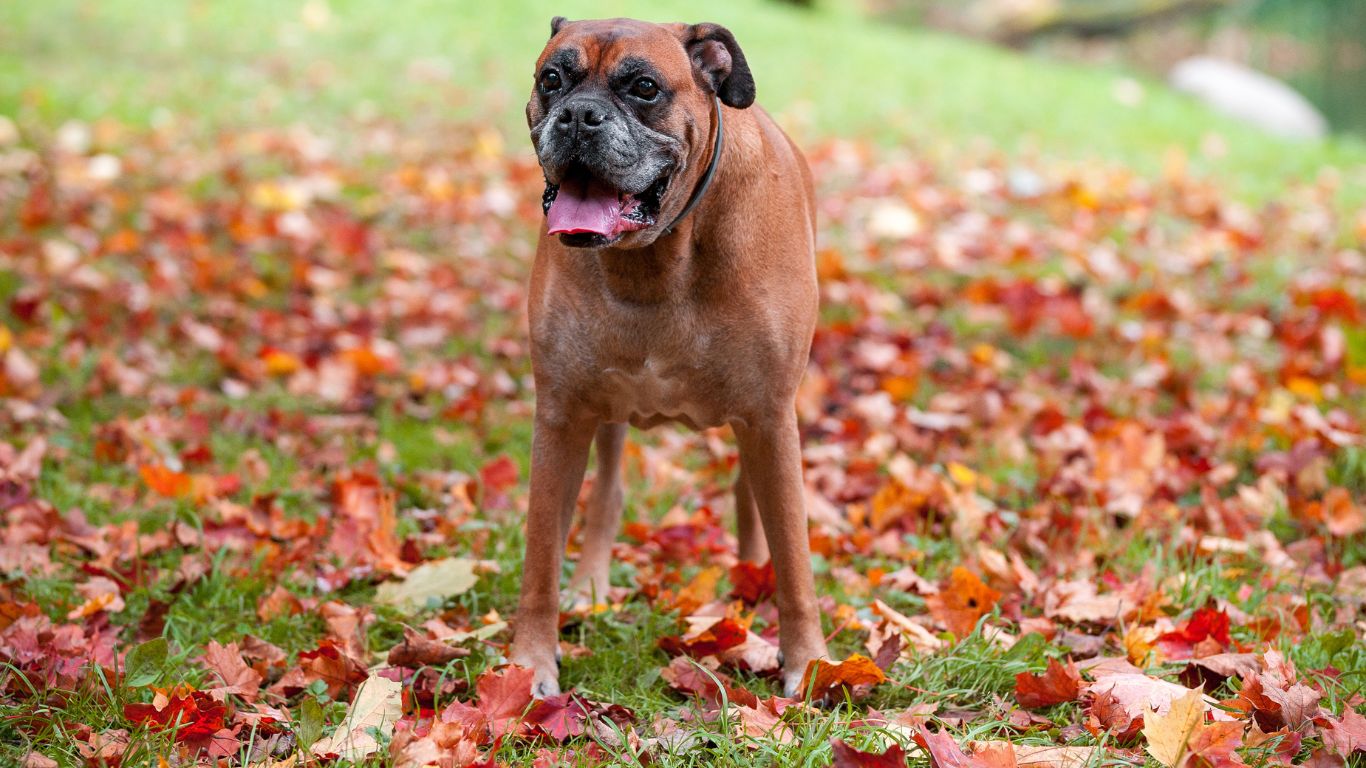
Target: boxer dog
<point>674,281</point>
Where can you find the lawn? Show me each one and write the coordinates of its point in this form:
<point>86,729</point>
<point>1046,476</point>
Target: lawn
<point>1082,429</point>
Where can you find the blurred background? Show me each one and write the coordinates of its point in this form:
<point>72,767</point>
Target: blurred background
<point>1316,46</point>
<point>1215,85</point>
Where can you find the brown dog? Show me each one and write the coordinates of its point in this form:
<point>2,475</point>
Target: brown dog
<point>675,281</point>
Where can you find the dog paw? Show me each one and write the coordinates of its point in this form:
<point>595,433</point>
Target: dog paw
<point>545,668</point>
<point>545,688</point>
<point>794,670</point>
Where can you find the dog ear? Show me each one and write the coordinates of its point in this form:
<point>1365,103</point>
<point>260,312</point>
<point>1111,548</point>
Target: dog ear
<point>556,24</point>
<point>720,64</point>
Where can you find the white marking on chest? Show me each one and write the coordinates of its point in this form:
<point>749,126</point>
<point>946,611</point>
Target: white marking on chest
<point>647,391</point>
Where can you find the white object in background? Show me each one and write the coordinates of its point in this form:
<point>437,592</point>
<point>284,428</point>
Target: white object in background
<point>1250,96</point>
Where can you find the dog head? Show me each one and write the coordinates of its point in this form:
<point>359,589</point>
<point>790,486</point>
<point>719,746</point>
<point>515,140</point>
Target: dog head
<point>621,118</point>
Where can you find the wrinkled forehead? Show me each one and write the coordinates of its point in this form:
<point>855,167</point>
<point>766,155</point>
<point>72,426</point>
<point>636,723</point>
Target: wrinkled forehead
<point>605,45</point>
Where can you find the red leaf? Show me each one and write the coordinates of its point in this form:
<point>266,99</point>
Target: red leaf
<point>753,583</point>
<point>1207,628</point>
<point>504,694</point>
<point>499,475</point>
<point>722,635</point>
<point>944,751</point>
<point>562,717</point>
<point>848,757</point>
<point>1056,685</point>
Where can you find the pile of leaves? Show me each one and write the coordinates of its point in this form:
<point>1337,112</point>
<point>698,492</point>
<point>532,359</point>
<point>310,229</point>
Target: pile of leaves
<point>1083,452</point>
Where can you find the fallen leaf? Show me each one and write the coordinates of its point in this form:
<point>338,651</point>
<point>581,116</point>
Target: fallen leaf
<point>377,706</point>
<point>846,756</point>
<point>1056,685</point>
<point>226,662</point>
<point>437,579</point>
<point>1169,734</point>
<point>822,677</point>
<point>962,601</point>
<point>417,650</point>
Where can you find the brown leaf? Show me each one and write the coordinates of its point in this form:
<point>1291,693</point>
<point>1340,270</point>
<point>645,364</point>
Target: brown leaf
<point>418,650</point>
<point>236,676</point>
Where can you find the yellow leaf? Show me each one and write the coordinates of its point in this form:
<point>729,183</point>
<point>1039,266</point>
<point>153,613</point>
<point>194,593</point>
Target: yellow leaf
<point>377,707</point>
<point>438,578</point>
<point>962,475</point>
<point>1169,734</point>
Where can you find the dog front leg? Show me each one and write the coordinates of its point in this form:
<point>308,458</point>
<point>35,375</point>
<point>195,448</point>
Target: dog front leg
<point>770,453</point>
<point>559,454</point>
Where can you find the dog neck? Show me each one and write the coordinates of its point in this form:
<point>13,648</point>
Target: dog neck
<point>662,271</point>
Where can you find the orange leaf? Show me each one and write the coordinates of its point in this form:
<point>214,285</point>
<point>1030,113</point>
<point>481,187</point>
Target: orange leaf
<point>166,481</point>
<point>962,601</point>
<point>822,677</point>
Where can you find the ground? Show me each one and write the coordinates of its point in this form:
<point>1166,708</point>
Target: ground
<point>1082,426</point>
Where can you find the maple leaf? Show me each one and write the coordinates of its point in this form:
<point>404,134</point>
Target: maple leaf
<point>417,650</point>
<point>197,720</point>
<point>822,677</point>
<point>503,695</point>
<point>1275,702</point>
<point>753,583</point>
<point>846,756</point>
<point>560,717</point>
<point>713,637</point>
<point>1107,713</point>
<point>1169,734</point>
<point>1206,631</point>
<point>753,654</point>
<point>1347,735</point>
<point>1212,745</point>
<point>365,530</point>
<point>761,720</point>
<point>329,663</point>
<point>237,677</point>
<point>346,624</point>
<point>377,706</point>
<point>1056,685</point>
<point>962,601</point>
<point>944,752</point>
<point>1137,693</point>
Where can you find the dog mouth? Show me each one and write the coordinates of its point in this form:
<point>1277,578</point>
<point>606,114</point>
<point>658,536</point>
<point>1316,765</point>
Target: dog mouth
<point>588,212</point>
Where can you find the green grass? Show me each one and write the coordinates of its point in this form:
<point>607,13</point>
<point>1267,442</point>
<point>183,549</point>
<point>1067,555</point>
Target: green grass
<point>826,73</point>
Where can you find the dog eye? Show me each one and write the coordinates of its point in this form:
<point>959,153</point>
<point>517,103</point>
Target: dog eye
<point>550,80</point>
<point>645,88</point>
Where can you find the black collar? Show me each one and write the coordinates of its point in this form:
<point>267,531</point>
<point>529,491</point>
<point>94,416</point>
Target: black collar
<point>711,169</point>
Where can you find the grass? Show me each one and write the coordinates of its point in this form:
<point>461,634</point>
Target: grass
<point>224,64</point>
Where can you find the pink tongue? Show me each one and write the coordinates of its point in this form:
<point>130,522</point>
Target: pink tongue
<point>584,207</point>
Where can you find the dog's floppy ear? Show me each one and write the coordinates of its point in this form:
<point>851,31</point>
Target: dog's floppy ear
<point>719,63</point>
<point>556,24</point>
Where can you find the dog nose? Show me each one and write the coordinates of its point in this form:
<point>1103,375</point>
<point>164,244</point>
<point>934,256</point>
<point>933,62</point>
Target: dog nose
<point>583,116</point>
